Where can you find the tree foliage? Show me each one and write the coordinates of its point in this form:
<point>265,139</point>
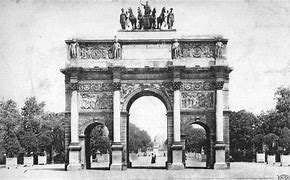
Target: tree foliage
<point>138,139</point>
<point>195,139</point>
<point>9,119</point>
<point>99,141</point>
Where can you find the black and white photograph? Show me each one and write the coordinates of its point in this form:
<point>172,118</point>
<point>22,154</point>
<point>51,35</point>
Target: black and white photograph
<point>144,89</point>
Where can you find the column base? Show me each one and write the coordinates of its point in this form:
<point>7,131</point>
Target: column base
<point>221,165</point>
<point>220,158</point>
<point>74,167</point>
<point>117,156</point>
<point>176,157</point>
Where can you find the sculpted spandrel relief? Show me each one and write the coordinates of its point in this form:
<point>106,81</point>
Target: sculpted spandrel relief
<point>128,88</point>
<point>197,50</point>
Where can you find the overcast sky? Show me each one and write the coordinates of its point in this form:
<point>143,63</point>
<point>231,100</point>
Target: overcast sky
<point>32,48</point>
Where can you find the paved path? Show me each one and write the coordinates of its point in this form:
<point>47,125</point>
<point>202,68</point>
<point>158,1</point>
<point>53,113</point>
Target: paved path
<point>237,171</point>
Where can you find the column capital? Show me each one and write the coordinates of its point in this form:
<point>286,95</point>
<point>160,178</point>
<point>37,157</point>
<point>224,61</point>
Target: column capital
<point>219,85</point>
<point>176,85</point>
<point>116,86</point>
<point>74,86</point>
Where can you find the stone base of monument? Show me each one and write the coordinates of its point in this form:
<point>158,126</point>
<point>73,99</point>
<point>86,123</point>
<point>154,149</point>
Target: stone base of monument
<point>11,163</point>
<point>220,157</point>
<point>74,158</point>
<point>28,161</point>
<point>176,157</point>
<point>117,153</point>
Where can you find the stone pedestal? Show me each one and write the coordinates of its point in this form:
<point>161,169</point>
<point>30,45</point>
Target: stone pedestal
<point>220,156</point>
<point>176,156</point>
<point>117,153</point>
<point>74,157</point>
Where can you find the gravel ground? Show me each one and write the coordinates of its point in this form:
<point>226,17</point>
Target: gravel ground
<point>237,171</point>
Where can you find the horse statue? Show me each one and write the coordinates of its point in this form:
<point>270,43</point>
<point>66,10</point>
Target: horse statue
<point>140,18</point>
<point>153,19</point>
<point>161,18</point>
<point>132,18</point>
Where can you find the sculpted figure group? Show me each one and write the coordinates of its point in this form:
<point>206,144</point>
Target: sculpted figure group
<point>149,20</point>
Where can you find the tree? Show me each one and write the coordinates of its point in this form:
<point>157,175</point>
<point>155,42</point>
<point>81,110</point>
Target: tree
<point>270,142</point>
<point>9,118</point>
<point>284,141</point>
<point>243,127</point>
<point>195,139</point>
<point>99,140</point>
<point>138,139</point>
<point>32,119</point>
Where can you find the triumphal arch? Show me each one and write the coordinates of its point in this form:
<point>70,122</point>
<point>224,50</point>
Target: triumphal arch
<point>103,77</point>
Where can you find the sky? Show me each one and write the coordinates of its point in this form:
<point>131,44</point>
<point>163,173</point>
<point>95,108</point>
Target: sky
<point>32,48</point>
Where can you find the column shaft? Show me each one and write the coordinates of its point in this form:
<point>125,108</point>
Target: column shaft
<point>74,117</point>
<point>219,116</point>
<point>117,118</point>
<point>176,114</point>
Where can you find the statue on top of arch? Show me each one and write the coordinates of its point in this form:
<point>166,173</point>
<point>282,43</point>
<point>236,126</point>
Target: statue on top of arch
<point>147,21</point>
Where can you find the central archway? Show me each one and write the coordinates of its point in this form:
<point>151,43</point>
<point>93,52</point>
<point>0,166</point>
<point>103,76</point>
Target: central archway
<point>169,116</point>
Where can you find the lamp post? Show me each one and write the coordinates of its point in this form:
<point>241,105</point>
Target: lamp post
<point>52,160</point>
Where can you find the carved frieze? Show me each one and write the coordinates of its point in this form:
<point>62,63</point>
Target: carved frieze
<point>177,85</point>
<point>197,100</point>
<point>94,101</point>
<point>95,87</point>
<point>197,86</point>
<point>88,51</point>
<point>73,86</point>
<point>197,50</point>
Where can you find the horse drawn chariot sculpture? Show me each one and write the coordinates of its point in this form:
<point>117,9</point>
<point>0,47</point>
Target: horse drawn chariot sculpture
<point>147,21</point>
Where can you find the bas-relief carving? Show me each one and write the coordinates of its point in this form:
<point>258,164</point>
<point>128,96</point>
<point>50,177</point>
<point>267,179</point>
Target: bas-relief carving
<point>96,52</point>
<point>196,86</point>
<point>197,100</point>
<point>197,50</point>
<point>94,101</point>
<point>95,87</point>
<point>127,88</point>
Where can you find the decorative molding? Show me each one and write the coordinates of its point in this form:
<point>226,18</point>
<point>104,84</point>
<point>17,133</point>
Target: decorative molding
<point>95,87</point>
<point>197,50</point>
<point>197,100</point>
<point>177,85</point>
<point>196,86</point>
<point>219,85</point>
<point>94,101</point>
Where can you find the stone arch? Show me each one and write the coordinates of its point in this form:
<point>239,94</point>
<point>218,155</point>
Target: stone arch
<point>147,92</point>
<point>127,103</point>
<point>209,140</point>
<point>90,123</point>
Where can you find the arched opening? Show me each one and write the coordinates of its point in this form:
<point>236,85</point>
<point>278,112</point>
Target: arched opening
<point>197,146</point>
<point>147,131</point>
<point>97,146</point>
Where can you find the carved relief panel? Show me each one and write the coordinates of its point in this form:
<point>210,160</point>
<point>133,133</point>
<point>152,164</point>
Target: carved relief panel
<point>96,101</point>
<point>197,50</point>
<point>197,100</point>
<point>197,95</point>
<point>96,51</point>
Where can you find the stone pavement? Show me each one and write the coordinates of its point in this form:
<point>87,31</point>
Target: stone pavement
<point>237,171</point>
